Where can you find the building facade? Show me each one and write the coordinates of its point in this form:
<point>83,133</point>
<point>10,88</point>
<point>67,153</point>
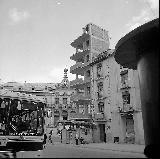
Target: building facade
<point>92,41</point>
<point>62,100</point>
<point>56,95</point>
<point>116,100</point>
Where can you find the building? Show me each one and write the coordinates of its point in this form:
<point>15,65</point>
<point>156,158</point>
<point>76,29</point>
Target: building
<point>116,100</point>
<point>92,42</point>
<point>56,95</point>
<point>62,99</point>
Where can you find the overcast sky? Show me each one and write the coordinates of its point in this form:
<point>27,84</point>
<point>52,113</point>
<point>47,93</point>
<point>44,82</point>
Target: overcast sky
<point>35,35</point>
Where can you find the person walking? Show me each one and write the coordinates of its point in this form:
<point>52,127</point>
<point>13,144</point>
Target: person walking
<point>50,137</point>
<point>77,139</point>
<point>105,137</point>
<point>44,141</point>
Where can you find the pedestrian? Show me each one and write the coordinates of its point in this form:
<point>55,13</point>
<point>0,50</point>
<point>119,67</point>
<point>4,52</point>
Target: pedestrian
<point>81,140</point>
<point>105,137</point>
<point>76,139</point>
<point>44,141</point>
<point>50,137</point>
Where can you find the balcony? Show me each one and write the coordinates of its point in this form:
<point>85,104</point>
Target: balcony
<point>100,95</point>
<point>78,43</point>
<point>127,109</point>
<point>79,55</point>
<point>77,83</point>
<point>99,76</point>
<point>87,80</point>
<point>80,116</point>
<point>88,95</point>
<point>81,99</point>
<point>77,68</point>
<point>64,107</point>
<point>99,116</point>
<point>125,85</point>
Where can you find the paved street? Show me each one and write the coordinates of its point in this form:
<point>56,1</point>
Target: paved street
<point>79,151</point>
<point>59,150</point>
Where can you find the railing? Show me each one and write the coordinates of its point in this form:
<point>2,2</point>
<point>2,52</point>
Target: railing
<point>125,85</point>
<point>79,115</point>
<point>77,65</point>
<point>76,81</point>
<point>99,116</point>
<point>87,79</point>
<point>99,75</point>
<point>100,95</point>
<point>126,108</point>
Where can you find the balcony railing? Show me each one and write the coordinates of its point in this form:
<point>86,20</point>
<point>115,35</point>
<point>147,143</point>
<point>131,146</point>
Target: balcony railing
<point>125,85</point>
<point>79,68</point>
<point>126,108</point>
<point>77,65</point>
<point>99,75</point>
<point>87,80</point>
<point>76,82</point>
<point>99,116</point>
<point>88,95</point>
<point>79,54</point>
<point>100,95</point>
<point>80,116</point>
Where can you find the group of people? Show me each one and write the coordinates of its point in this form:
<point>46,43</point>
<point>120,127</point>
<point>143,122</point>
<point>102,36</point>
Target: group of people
<point>49,138</point>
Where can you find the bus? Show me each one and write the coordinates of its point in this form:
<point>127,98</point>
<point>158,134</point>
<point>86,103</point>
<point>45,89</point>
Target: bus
<point>21,122</point>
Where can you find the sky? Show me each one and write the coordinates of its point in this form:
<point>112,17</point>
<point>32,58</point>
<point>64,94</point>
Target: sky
<point>35,35</point>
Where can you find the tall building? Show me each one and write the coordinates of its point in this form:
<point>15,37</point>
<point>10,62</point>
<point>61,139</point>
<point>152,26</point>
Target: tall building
<point>93,41</point>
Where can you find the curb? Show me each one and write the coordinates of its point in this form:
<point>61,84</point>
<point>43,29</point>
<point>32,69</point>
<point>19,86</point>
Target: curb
<point>110,149</point>
<point>101,148</point>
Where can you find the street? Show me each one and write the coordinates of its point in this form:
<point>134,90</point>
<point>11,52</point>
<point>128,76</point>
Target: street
<point>59,150</point>
<point>75,151</point>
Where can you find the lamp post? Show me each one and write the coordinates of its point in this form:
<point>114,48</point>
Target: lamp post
<point>139,50</point>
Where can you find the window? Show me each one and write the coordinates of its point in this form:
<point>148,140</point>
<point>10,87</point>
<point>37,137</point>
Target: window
<point>87,28</point>
<point>100,89</point>
<point>126,97</point>
<point>100,86</point>
<point>87,43</point>
<point>88,73</point>
<point>99,70</point>
<point>81,109</point>
<point>64,100</point>
<point>121,66</point>
<point>64,117</point>
<point>49,113</point>
<point>124,78</point>
<point>87,58</point>
<point>101,107</point>
<point>88,90</point>
<point>56,100</point>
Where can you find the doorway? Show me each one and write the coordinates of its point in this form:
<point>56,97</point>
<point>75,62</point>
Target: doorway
<point>102,132</point>
<point>130,134</point>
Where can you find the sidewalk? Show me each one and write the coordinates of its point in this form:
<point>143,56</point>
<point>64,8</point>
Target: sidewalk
<point>115,147</point>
